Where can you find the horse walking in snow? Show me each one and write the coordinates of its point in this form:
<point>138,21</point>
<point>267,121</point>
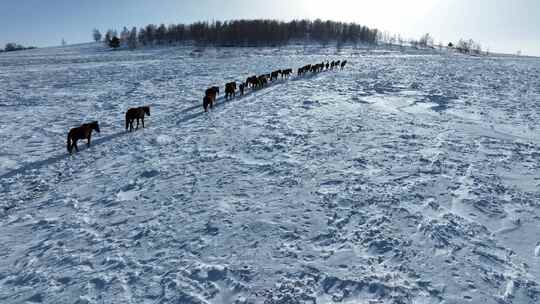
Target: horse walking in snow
<point>210,96</point>
<point>286,73</point>
<point>251,82</point>
<point>230,90</point>
<point>138,114</point>
<point>262,81</point>
<point>208,102</point>
<point>212,92</point>
<point>242,87</point>
<point>82,132</point>
<point>274,75</point>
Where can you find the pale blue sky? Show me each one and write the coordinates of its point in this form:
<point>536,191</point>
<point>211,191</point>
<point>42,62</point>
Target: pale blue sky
<point>501,25</point>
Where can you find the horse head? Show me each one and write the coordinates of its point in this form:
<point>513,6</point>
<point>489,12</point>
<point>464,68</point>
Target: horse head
<point>95,126</point>
<point>146,110</point>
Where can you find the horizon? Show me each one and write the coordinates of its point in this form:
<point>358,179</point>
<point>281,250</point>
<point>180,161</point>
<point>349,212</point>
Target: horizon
<point>46,24</point>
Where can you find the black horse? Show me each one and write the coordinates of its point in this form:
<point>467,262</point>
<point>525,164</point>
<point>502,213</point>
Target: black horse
<point>138,114</point>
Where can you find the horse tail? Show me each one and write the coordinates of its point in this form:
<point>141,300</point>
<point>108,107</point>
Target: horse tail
<point>69,143</point>
<point>127,121</point>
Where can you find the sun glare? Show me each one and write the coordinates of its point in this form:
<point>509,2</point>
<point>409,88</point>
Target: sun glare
<point>399,16</point>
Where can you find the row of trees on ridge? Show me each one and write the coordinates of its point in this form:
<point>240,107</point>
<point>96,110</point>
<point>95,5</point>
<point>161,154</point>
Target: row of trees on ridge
<point>11,47</point>
<point>268,33</point>
<point>241,33</point>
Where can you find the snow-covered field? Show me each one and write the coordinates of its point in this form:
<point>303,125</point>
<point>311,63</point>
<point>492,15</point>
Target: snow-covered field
<point>406,178</point>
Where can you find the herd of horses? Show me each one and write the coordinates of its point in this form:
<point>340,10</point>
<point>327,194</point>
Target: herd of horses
<point>253,82</point>
<point>258,82</point>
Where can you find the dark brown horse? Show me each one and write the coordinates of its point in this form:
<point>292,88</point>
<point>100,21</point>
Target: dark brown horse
<point>82,132</point>
<point>274,75</point>
<point>212,93</point>
<point>262,80</point>
<point>251,81</point>
<point>208,102</point>
<point>230,90</point>
<point>242,87</point>
<point>286,73</point>
<point>343,64</point>
<point>138,114</point>
<point>303,70</point>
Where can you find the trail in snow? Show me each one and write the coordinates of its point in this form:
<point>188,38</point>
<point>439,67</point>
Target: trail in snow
<point>167,118</point>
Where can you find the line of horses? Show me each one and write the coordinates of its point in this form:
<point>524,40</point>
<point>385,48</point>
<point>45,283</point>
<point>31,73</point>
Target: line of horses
<point>258,82</point>
<point>253,82</point>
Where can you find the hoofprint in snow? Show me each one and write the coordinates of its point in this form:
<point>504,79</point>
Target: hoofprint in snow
<point>409,177</point>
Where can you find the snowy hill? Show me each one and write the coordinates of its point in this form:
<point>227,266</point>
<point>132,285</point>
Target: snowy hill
<point>406,178</point>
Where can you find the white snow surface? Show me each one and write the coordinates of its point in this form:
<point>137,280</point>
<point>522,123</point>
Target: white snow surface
<point>409,177</point>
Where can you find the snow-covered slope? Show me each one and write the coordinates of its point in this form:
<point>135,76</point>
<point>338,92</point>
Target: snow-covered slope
<point>405,178</point>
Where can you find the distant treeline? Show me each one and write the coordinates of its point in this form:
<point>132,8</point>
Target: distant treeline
<point>426,41</point>
<point>11,47</point>
<point>241,33</point>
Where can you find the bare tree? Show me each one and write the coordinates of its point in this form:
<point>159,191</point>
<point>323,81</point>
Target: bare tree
<point>124,36</point>
<point>426,40</point>
<point>393,39</point>
<point>477,48</point>
<point>161,34</point>
<point>132,39</point>
<point>108,36</point>
<point>463,46</point>
<point>96,34</point>
<point>400,40</point>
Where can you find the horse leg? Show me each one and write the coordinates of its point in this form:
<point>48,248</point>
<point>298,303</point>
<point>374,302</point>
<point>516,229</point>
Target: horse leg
<point>75,145</point>
<point>142,119</point>
<point>69,147</point>
<point>137,123</point>
<point>89,137</point>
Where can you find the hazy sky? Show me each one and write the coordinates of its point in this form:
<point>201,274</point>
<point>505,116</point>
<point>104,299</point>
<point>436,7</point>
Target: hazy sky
<point>501,25</point>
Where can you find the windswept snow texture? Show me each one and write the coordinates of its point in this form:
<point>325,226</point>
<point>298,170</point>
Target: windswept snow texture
<point>406,178</point>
